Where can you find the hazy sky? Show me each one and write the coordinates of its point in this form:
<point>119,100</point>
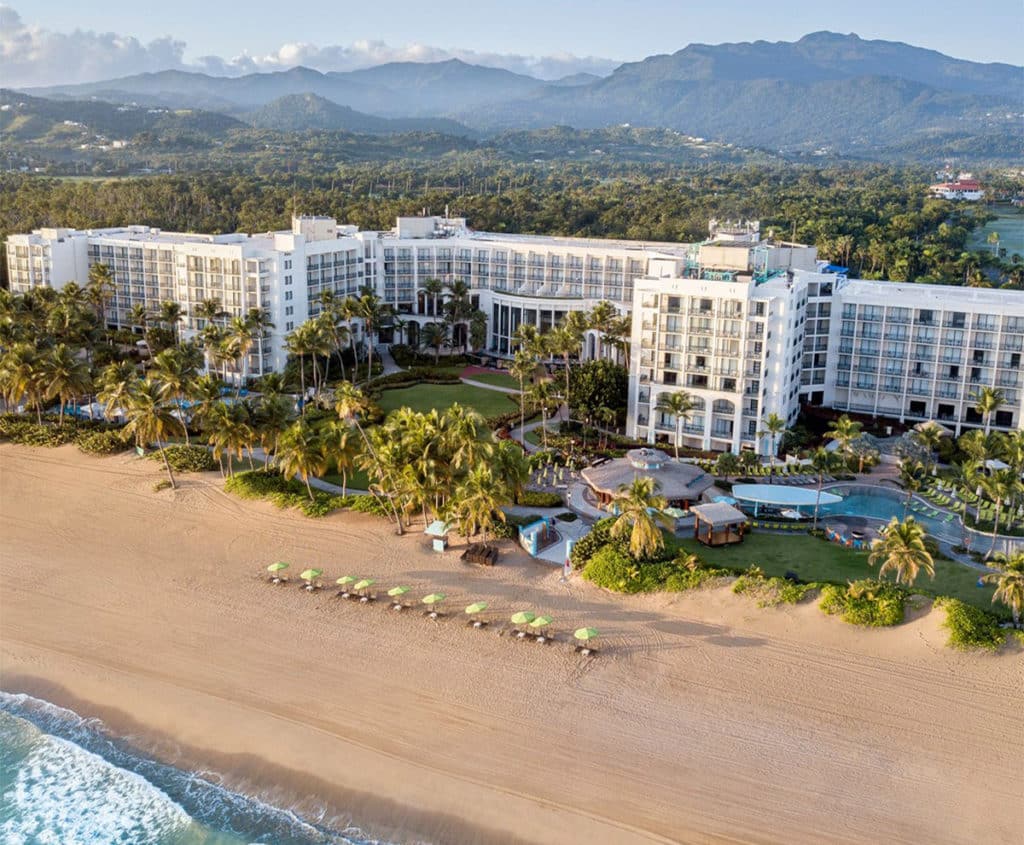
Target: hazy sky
<point>67,40</point>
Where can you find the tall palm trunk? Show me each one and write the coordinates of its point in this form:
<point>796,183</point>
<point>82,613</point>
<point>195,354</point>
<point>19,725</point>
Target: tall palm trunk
<point>387,502</point>
<point>309,490</point>
<point>995,529</point>
<point>167,464</point>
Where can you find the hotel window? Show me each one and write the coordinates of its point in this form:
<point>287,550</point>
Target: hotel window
<point>289,326</point>
<point>288,294</point>
<point>287,264</point>
<point>289,310</point>
<point>287,280</point>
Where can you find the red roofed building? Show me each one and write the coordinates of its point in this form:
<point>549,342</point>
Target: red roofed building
<point>961,189</point>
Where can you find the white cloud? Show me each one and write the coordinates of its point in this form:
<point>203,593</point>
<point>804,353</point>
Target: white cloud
<point>32,55</point>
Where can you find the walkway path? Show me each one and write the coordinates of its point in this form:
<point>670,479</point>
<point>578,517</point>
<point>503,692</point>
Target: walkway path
<point>510,390</point>
<point>387,360</point>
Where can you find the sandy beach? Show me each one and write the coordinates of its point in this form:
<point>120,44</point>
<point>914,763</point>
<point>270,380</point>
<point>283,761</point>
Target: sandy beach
<point>704,719</point>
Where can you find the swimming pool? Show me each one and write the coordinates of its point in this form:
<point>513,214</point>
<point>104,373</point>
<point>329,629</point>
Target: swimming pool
<point>880,503</point>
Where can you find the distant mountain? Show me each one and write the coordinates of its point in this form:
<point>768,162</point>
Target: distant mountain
<point>26,118</point>
<point>304,112</point>
<point>394,89</point>
<point>850,95</point>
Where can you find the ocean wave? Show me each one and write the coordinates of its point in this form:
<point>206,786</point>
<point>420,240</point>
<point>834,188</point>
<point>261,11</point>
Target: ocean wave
<point>64,779</point>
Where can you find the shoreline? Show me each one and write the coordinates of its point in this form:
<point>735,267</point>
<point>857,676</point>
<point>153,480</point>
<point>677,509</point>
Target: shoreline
<point>703,717</point>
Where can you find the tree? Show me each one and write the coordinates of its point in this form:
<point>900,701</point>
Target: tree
<point>151,420</point>
<point>370,309</point>
<point>988,400</point>
<point>259,324</point>
<point>523,365</point>
<point>679,406</point>
<point>20,377</point>
<point>912,477</point>
<point>458,310</point>
<point>433,288</point>
<point>774,428</point>
<point>542,396</point>
<point>64,376</point>
<point>901,549</point>
<point>116,382</point>
<point>299,452</point>
<point>435,335</point>
<point>748,459</point>
<point>174,371</point>
<point>230,433</point>
<point>602,318</point>
<point>928,436</point>
<point>170,315</point>
<point>340,448</point>
<point>138,316</point>
<point>272,417</point>
<point>999,486</point>
<point>566,341</point>
<point>1009,583</point>
<point>240,339</point>
<point>100,290</point>
<point>634,502</point>
<point>477,502</point>
<point>823,462</point>
<point>599,384</point>
<point>727,464</point>
<point>844,431</point>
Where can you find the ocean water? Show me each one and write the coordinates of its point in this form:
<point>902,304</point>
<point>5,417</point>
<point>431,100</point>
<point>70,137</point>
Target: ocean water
<point>64,780</point>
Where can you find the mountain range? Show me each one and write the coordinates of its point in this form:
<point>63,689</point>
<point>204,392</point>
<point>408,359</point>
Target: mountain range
<point>851,95</point>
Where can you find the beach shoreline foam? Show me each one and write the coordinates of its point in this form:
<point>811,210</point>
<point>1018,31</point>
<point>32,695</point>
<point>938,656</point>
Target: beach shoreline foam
<point>704,720</point>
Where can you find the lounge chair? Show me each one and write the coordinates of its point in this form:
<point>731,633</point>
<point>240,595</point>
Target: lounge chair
<point>586,650</point>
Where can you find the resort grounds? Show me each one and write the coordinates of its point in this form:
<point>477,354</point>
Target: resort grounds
<point>703,718</point>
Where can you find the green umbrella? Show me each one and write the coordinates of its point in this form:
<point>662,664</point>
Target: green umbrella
<point>523,617</point>
<point>310,574</point>
<point>277,567</point>
<point>541,622</point>
<point>362,585</point>
<point>434,598</point>
<point>345,579</point>
<point>395,592</point>
<point>585,634</point>
<point>476,607</point>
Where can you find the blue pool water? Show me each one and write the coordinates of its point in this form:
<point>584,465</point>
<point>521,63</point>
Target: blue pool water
<point>880,503</point>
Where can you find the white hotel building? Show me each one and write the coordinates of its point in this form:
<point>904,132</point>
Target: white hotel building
<point>748,326</point>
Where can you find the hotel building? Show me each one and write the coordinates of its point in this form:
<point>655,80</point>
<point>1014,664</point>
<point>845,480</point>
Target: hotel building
<point>749,326</point>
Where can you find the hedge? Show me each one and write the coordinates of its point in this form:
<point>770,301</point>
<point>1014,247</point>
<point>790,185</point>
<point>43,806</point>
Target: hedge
<point>416,375</point>
<point>536,499</point>
<point>970,627</point>
<point>186,458</point>
<point>102,442</point>
<point>290,493</point>
<point>871,603</point>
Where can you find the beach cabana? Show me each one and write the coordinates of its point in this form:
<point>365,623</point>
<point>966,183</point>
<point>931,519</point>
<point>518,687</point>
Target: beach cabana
<point>438,529</point>
<point>718,524</point>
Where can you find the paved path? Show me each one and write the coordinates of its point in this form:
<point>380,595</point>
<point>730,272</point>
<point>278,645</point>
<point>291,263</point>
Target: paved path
<point>510,390</point>
<point>387,360</point>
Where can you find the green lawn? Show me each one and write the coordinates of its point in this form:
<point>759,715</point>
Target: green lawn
<point>356,480</point>
<point>424,397</point>
<point>497,379</point>
<point>815,560</point>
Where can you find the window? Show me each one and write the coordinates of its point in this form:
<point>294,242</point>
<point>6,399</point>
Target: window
<point>979,356</point>
<point>918,409</point>
<point>289,326</point>
<point>954,372</point>
<point>289,310</point>
<point>287,264</point>
<point>287,295</point>
<point>287,280</point>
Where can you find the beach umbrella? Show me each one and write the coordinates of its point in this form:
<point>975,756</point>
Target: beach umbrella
<point>276,569</point>
<point>344,580</point>
<point>395,592</point>
<point>362,585</point>
<point>434,598</point>
<point>523,617</point>
<point>585,634</point>
<point>309,576</point>
<point>476,607</point>
<point>541,622</point>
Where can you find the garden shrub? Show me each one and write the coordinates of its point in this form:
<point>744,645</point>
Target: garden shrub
<point>867,602</point>
<point>970,627</point>
<point>186,458</point>
<point>614,570</point>
<point>534,499</point>
<point>588,545</point>
<point>290,493</point>
<point>29,433</point>
<point>693,579</point>
<point>770,592</point>
<point>101,442</point>
<point>567,516</point>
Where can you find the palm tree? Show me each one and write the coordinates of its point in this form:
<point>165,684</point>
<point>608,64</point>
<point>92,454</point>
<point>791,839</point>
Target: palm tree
<point>100,289</point>
<point>300,453</point>
<point>523,366</point>
<point>774,428</point>
<point>433,288</point>
<point>298,344</point>
<point>65,376</point>
<point>115,384</point>
<point>230,433</point>
<point>679,406</point>
<point>150,419</point>
<point>912,477</point>
<point>240,339</point>
<point>174,372</point>
<point>601,318</point>
<point>272,417</point>
<point>901,549</point>
<point>634,502</point>
<point>340,448</point>
<point>566,341</point>
<point>210,310</point>
<point>370,310</point>
<point>205,393</point>
<point>1009,583</point>
<point>1000,486</point>
<point>618,336</point>
<point>458,309</point>
<point>138,316</point>
<point>748,460</point>
<point>435,335</point>
<point>543,396</point>
<point>823,462</point>
<point>170,315</point>
<point>928,436</point>
<point>20,377</point>
<point>477,502</point>
<point>988,400</point>
<point>844,431</point>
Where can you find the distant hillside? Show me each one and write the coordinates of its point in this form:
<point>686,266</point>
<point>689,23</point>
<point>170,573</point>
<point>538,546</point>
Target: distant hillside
<point>28,118</point>
<point>303,112</point>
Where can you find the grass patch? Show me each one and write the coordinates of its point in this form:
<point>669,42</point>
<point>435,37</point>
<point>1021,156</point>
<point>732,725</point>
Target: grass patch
<point>811,560</point>
<point>770,591</point>
<point>290,493</point>
<point>356,480</point>
<point>425,397</point>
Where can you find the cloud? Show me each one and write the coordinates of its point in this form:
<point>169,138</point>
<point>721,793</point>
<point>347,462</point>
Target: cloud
<point>32,55</point>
